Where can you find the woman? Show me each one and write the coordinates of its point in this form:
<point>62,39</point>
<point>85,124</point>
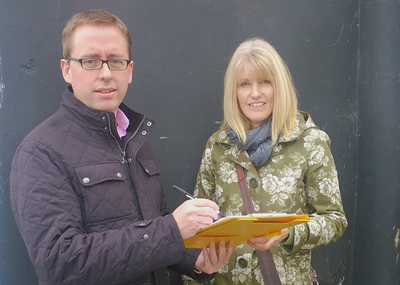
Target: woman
<point>287,162</point>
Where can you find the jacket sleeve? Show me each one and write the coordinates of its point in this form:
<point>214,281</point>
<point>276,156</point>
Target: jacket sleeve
<point>48,214</point>
<point>323,196</point>
<point>186,267</point>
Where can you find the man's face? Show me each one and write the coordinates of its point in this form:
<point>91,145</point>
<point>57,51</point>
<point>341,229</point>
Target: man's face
<point>102,89</point>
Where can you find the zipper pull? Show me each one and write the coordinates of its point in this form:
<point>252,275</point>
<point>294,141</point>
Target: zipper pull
<point>124,159</point>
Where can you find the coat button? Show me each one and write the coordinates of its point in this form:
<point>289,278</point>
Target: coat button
<point>144,133</point>
<point>86,180</point>
<point>119,174</point>
<point>242,262</point>
<point>253,183</point>
<point>146,236</point>
<point>148,124</point>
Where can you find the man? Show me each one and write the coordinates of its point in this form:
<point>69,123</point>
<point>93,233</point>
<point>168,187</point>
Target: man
<point>84,189</point>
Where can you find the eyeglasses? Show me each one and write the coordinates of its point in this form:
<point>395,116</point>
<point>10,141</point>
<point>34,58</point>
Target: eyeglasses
<point>96,63</point>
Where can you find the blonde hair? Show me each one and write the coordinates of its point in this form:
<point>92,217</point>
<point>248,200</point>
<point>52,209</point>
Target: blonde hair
<point>261,61</point>
<point>94,18</point>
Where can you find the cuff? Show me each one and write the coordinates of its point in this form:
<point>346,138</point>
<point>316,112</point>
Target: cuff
<point>288,242</point>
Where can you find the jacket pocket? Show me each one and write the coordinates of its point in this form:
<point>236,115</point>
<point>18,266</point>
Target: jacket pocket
<point>148,166</point>
<point>150,184</point>
<point>95,173</point>
<point>106,196</point>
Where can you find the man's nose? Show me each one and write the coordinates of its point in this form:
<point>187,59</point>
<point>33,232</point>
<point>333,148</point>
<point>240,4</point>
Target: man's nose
<point>105,71</point>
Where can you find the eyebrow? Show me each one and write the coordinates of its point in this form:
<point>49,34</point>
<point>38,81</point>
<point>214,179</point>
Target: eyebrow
<point>96,55</point>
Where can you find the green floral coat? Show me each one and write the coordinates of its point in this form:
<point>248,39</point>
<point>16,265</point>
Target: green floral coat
<point>300,177</point>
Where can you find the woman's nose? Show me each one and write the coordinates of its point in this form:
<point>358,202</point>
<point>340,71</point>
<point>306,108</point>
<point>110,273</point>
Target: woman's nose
<point>255,90</point>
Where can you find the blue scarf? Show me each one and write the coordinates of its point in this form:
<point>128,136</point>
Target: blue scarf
<point>258,142</point>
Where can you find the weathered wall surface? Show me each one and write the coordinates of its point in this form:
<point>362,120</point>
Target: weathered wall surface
<point>377,234</point>
<point>181,50</point>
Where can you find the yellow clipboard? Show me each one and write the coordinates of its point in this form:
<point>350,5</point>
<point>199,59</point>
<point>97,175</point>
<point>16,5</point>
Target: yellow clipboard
<point>242,228</point>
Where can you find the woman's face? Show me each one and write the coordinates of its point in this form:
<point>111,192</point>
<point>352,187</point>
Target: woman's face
<point>256,98</point>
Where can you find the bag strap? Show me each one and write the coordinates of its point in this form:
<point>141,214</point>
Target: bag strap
<point>267,265</point>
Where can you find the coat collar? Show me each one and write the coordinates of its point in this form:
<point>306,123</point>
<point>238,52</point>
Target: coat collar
<point>302,122</point>
<point>95,119</point>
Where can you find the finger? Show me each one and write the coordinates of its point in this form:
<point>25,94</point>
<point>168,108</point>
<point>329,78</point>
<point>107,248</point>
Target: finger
<point>229,251</point>
<point>258,240</point>
<point>221,252</point>
<point>207,212</point>
<point>204,221</point>
<point>213,254</point>
<point>204,203</point>
<point>206,258</point>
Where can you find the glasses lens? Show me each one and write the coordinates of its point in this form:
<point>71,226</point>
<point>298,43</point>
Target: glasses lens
<point>91,63</point>
<point>117,64</point>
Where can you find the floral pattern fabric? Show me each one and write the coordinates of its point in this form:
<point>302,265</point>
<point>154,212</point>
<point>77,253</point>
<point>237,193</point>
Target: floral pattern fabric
<point>300,177</point>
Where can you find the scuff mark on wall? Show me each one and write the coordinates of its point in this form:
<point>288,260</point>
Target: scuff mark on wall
<point>397,244</point>
<point>30,67</point>
<point>2,86</point>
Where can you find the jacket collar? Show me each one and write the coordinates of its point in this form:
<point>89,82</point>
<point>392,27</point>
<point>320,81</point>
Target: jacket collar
<point>302,122</point>
<point>95,119</point>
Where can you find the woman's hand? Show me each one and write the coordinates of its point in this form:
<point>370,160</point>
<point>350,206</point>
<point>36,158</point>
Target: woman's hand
<point>212,259</point>
<point>263,243</point>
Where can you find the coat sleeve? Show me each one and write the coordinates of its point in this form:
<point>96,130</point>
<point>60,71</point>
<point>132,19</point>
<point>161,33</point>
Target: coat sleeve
<point>48,215</point>
<point>323,196</point>
<point>206,178</point>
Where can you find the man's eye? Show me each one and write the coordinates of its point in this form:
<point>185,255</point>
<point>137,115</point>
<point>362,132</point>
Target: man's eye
<point>115,61</point>
<point>90,61</point>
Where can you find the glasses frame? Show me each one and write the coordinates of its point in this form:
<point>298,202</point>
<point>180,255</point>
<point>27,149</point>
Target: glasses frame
<point>103,61</point>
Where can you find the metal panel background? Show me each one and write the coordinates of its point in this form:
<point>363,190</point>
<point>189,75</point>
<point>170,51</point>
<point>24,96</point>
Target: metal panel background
<point>181,50</point>
<point>377,235</point>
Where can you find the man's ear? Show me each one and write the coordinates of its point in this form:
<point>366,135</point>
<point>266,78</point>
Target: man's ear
<point>65,69</point>
<point>131,64</point>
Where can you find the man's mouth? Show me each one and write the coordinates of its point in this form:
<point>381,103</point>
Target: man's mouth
<point>105,90</point>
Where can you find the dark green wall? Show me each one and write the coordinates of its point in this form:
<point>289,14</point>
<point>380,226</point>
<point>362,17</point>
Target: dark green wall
<point>377,234</point>
<point>339,59</point>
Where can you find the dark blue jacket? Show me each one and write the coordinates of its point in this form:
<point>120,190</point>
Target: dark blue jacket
<point>89,206</point>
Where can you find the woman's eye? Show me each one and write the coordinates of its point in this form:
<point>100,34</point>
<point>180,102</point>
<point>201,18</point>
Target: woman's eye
<point>243,84</point>
<point>266,81</point>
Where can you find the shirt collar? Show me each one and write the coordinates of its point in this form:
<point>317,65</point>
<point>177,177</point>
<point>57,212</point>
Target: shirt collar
<point>122,123</point>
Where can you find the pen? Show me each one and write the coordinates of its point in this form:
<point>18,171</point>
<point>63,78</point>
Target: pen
<point>190,196</point>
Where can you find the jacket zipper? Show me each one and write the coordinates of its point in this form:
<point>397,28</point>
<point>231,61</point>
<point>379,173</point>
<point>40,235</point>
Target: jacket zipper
<point>125,161</point>
<point>123,151</point>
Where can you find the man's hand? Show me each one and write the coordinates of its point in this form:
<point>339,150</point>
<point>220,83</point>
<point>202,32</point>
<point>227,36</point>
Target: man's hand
<point>212,259</point>
<point>262,243</point>
<point>192,215</point>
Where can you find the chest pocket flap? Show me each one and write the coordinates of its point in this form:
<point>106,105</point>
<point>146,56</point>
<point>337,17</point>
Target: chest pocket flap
<point>148,166</point>
<point>92,174</point>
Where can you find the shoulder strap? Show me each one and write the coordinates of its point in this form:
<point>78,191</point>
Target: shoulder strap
<point>267,265</point>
